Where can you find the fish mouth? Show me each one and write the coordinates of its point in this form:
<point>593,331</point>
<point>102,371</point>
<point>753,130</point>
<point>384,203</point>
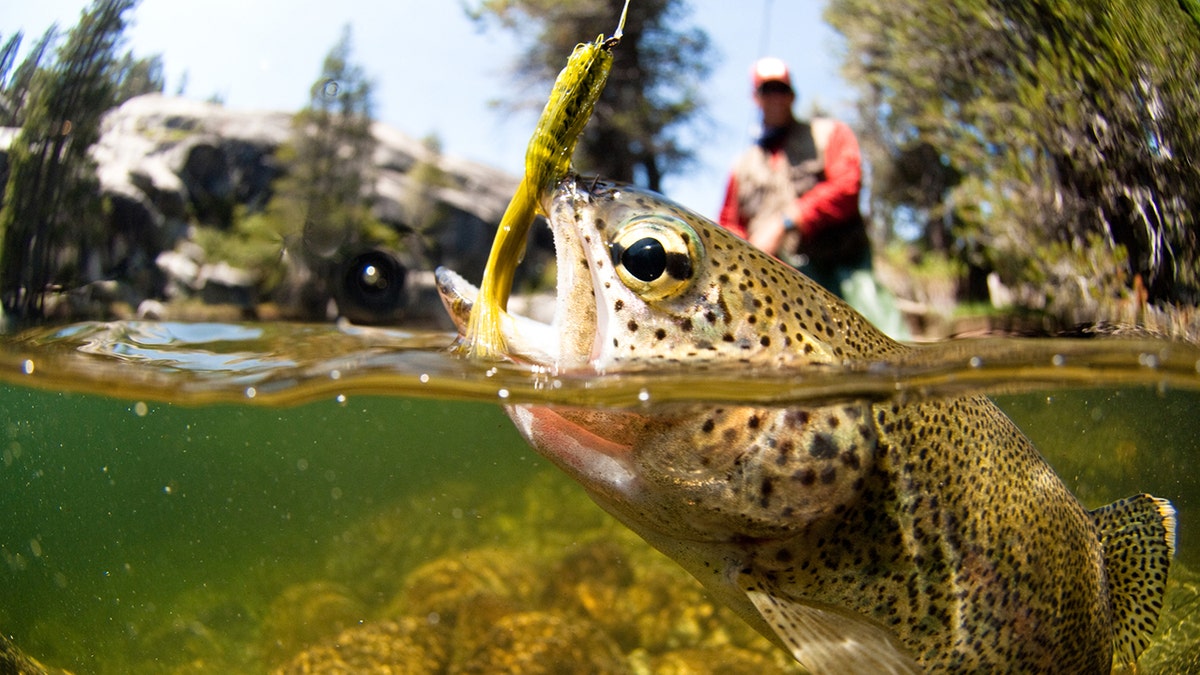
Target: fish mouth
<point>570,339</point>
<point>526,339</point>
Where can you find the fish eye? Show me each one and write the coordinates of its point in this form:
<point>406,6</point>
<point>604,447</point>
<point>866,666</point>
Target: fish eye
<point>645,259</point>
<point>655,256</point>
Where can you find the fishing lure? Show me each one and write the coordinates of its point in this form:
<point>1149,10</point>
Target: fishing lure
<point>547,160</point>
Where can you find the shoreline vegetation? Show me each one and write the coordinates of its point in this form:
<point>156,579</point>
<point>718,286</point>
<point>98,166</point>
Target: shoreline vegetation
<point>121,202</point>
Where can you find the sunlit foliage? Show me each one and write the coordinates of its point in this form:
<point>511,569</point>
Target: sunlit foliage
<point>1009,132</point>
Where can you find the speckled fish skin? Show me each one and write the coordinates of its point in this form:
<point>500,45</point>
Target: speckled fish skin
<point>916,537</point>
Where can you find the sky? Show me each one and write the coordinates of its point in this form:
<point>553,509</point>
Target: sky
<point>435,71</point>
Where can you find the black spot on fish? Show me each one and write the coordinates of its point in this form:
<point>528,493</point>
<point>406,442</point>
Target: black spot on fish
<point>660,333</point>
<point>679,266</point>
<point>686,325</point>
<point>823,447</point>
<point>618,305</point>
<point>726,314</point>
<point>632,326</point>
<point>765,490</point>
<point>796,418</point>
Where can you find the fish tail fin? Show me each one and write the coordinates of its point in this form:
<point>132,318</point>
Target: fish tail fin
<point>1137,535</point>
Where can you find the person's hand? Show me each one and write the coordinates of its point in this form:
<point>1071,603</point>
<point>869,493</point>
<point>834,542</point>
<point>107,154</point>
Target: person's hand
<point>769,236</point>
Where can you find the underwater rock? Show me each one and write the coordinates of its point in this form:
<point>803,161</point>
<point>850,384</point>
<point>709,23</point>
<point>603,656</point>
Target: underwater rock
<point>489,582</point>
<point>198,627</point>
<point>373,557</point>
<point>601,560</point>
<point>537,643</point>
<point>408,645</point>
<point>15,662</point>
<point>555,512</point>
<point>304,614</point>
<point>642,599</point>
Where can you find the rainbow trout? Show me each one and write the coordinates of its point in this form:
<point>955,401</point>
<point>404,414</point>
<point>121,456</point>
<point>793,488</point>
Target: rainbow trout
<point>864,537</point>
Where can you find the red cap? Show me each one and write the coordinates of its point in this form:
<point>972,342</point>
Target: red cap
<point>770,69</point>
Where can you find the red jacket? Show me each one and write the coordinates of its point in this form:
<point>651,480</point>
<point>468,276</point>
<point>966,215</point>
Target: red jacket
<point>830,202</point>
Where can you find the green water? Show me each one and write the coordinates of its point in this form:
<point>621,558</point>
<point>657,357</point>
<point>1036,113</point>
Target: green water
<point>219,498</point>
<point>113,518</point>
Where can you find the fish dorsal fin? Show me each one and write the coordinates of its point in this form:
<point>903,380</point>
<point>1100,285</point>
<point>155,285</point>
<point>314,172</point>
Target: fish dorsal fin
<point>824,639</point>
<point>1137,535</point>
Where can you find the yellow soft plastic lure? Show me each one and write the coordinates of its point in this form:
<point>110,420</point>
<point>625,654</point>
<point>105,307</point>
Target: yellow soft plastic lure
<point>547,160</point>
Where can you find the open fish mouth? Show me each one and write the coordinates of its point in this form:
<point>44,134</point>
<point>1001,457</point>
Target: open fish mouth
<point>526,339</point>
<point>571,338</point>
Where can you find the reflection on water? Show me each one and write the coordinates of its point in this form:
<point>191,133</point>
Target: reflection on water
<point>230,498</point>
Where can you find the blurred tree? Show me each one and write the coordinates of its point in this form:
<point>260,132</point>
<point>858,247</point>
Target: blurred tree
<point>8,57</point>
<point>14,88</point>
<point>321,207</point>
<point>424,210</point>
<point>653,92</point>
<point>53,211</point>
<point>135,77</point>
<point>1010,132</point>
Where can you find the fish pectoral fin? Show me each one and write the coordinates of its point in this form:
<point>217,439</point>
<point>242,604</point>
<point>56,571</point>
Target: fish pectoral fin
<point>1137,535</point>
<point>826,639</point>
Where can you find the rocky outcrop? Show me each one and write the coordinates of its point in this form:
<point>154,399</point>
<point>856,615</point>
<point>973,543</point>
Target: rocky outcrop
<point>166,163</point>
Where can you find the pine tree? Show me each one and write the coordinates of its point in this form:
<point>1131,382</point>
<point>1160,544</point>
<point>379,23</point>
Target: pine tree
<point>14,89</point>
<point>53,206</point>
<point>1052,141</point>
<point>653,91</point>
<point>323,203</point>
